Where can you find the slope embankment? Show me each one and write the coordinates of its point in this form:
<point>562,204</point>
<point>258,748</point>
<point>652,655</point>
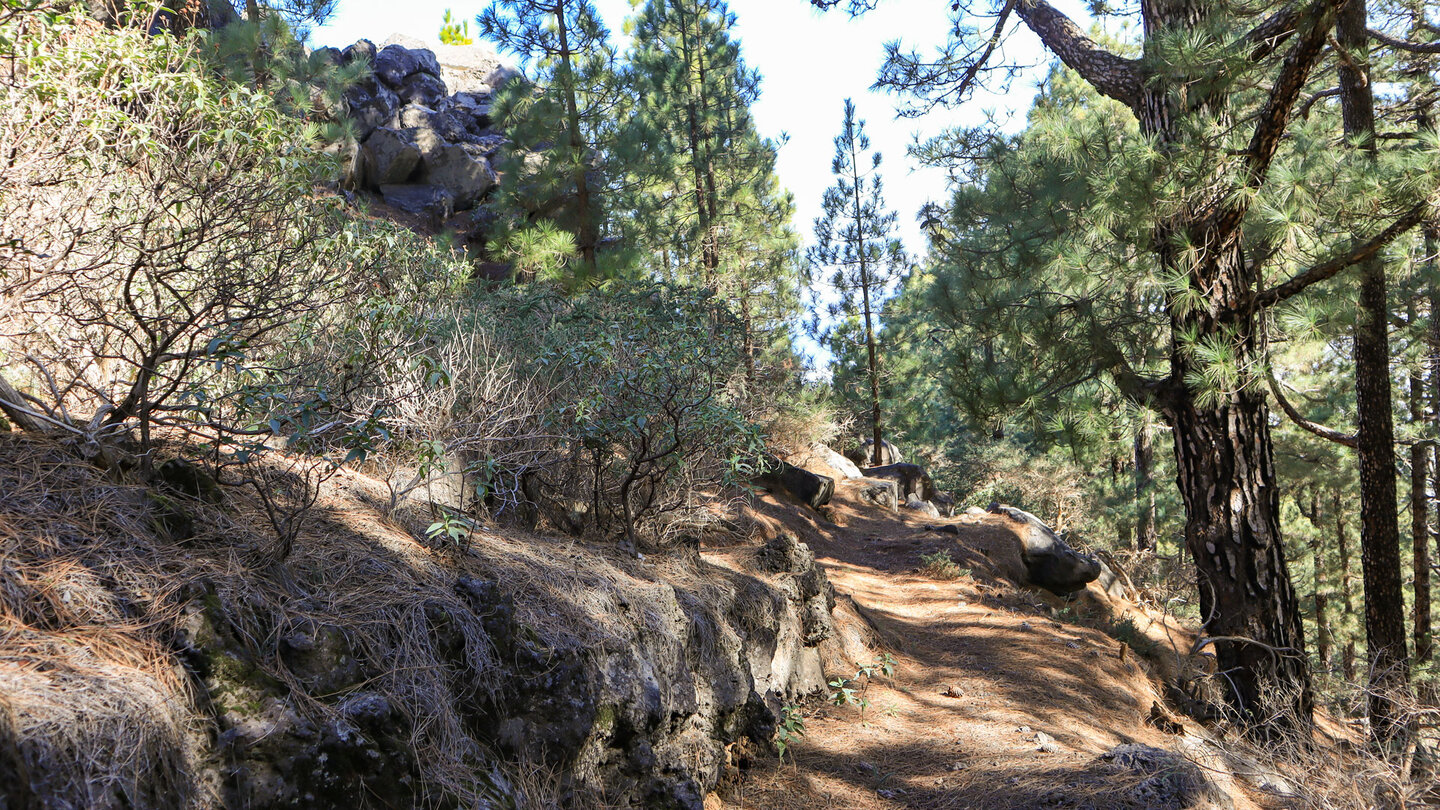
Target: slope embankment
<point>1003,696</point>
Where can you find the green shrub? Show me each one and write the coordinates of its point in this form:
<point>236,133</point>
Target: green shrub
<point>940,566</point>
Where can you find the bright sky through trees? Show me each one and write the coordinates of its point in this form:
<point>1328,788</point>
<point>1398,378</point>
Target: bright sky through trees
<point>811,62</point>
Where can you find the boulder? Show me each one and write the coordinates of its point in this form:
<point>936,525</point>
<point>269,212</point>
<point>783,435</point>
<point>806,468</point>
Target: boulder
<point>1049,561</point>
<point>910,478</point>
<point>810,489</point>
<point>362,49</point>
<point>473,68</point>
<point>461,170</point>
<point>881,493</point>
<point>419,198</point>
<point>422,88</point>
<point>864,457</point>
<point>389,156</point>
<point>472,106</point>
<point>396,63</point>
<point>327,56</point>
<point>839,463</point>
<point>922,506</point>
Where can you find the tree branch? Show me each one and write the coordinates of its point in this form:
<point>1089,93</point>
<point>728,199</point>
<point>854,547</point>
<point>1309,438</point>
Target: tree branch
<point>1313,26</point>
<point>1272,33</point>
<point>1356,254</point>
<point>11,405</point>
<point>1111,75</point>
<point>1403,45</point>
<point>1323,431</point>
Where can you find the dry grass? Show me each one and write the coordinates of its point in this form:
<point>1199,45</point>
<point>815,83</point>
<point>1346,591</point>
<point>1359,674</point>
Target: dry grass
<point>94,598</point>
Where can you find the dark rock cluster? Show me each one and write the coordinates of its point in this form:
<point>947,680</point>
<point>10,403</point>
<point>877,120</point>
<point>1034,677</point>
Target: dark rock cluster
<point>422,124</point>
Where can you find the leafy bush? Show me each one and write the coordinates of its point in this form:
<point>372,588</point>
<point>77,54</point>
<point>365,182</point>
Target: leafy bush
<point>639,379</point>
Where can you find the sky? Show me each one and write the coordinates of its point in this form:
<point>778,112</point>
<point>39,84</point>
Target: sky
<point>810,61</point>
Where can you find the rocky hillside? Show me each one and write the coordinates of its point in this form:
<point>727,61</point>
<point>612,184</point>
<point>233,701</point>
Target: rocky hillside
<point>425,143</point>
<point>148,661</point>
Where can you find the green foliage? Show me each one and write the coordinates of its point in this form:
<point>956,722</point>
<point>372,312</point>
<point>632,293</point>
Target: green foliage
<point>853,691</point>
<point>640,380</point>
<point>455,33</point>
<point>940,566</point>
<point>790,728</point>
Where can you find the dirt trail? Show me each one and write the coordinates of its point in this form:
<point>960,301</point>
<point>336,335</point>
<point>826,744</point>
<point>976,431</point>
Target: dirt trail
<point>983,666</point>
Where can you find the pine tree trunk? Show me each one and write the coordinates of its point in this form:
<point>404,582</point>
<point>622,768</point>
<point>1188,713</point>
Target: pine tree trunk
<point>689,51</point>
<point>1232,530</point>
<point>1347,589</point>
<point>1375,436</point>
<point>1323,636</point>
<point>1420,524</point>
<point>1145,531</point>
<point>587,236</point>
<point>878,448</point>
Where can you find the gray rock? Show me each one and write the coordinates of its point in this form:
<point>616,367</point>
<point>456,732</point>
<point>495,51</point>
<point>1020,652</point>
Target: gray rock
<point>462,171</point>
<point>444,125</point>
<point>911,479</point>
<point>927,508</point>
<point>863,457</point>
<point>389,157</point>
<point>841,464</point>
<point>362,49</point>
<point>810,489</point>
<point>422,199</point>
<point>394,64</point>
<point>327,56</point>
<point>879,492</point>
<point>472,68</point>
<point>1049,560</point>
<point>422,88</point>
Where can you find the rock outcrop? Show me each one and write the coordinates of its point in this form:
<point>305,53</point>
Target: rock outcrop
<point>1049,561</point>
<point>425,142</point>
<point>808,488</point>
<point>863,456</point>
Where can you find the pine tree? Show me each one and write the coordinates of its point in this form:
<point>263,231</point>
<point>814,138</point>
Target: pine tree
<point>695,146</point>
<point>560,120</point>
<point>709,208</point>
<point>1189,213</point>
<point>855,236</point>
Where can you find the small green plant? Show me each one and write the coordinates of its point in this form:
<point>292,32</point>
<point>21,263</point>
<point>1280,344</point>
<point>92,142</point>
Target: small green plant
<point>453,33</point>
<point>852,691</point>
<point>791,728</point>
<point>1125,631</point>
<point>940,566</point>
<point>451,528</point>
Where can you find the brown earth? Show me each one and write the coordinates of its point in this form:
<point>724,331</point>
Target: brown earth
<point>983,664</point>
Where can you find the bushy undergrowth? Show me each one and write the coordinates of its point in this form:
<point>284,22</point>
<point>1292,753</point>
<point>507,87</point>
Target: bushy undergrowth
<point>173,270</point>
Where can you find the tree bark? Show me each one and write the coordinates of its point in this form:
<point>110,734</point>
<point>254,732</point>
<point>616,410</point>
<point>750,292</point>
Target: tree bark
<point>14,407</point>
<point>1420,523</point>
<point>1375,433</point>
<point>587,236</point>
<point>1145,531</point>
<point>1347,588</point>
<point>1323,634</point>
<point>877,450</point>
